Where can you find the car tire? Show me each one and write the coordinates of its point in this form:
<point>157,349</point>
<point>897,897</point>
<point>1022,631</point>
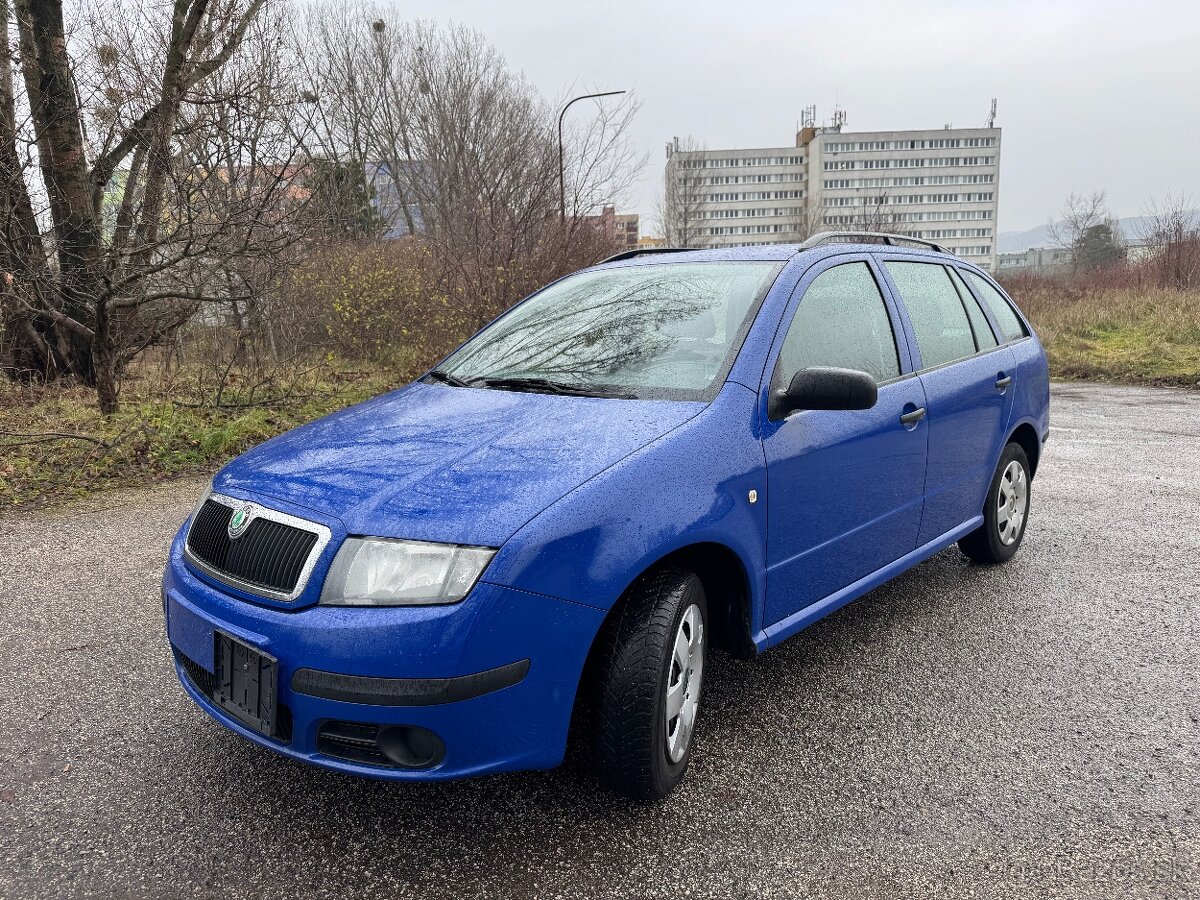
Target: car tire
<point>1005,512</point>
<point>643,753</point>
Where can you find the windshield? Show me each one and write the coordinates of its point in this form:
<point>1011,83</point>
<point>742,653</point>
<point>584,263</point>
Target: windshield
<point>665,330</point>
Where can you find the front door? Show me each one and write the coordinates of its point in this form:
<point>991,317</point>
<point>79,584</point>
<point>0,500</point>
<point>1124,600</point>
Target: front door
<point>845,488</point>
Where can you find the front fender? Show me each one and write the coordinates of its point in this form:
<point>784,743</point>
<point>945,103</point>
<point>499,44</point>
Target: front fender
<point>689,486</point>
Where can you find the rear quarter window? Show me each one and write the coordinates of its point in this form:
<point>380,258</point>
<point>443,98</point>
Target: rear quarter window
<point>1011,326</point>
<point>984,339</point>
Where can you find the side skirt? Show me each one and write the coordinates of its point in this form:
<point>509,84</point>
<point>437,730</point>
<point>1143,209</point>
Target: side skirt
<point>801,619</point>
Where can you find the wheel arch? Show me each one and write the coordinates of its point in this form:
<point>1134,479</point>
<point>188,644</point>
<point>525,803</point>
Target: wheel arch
<point>726,582</point>
<point>726,589</point>
<point>1027,437</point>
<point>727,592</point>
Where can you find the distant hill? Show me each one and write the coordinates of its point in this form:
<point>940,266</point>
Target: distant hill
<point>1016,241</point>
<point>1019,241</point>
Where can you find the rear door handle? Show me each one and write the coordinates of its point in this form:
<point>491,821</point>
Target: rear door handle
<point>1003,381</point>
<point>912,418</point>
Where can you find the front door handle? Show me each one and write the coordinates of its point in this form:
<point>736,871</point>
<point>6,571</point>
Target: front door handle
<point>912,418</point>
<point>1003,381</point>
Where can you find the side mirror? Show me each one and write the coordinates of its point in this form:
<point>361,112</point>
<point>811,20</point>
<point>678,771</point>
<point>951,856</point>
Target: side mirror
<point>828,388</point>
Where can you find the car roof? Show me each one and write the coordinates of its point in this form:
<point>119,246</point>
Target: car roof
<point>779,253</point>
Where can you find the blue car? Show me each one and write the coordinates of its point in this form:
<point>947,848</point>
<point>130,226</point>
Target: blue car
<point>661,455</point>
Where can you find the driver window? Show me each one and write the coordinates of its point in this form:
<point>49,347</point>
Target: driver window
<point>841,321</point>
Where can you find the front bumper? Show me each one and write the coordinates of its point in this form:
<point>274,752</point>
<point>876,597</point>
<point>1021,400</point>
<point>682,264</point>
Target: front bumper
<point>494,677</point>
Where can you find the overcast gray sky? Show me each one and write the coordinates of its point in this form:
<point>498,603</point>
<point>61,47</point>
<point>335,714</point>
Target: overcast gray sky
<point>1092,95</point>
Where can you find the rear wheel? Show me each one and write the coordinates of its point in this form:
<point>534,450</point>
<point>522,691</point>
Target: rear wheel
<point>652,676</point>
<point>1005,512</point>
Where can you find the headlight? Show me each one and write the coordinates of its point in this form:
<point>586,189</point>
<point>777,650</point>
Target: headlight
<point>382,572</point>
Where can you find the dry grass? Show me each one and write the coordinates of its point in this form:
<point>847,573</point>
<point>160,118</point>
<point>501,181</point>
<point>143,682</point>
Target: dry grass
<point>55,445</point>
<point>1115,333</point>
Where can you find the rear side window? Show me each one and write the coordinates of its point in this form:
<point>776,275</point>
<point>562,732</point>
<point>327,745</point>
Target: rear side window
<point>841,321</point>
<point>1010,325</point>
<point>984,339</point>
<point>935,310</point>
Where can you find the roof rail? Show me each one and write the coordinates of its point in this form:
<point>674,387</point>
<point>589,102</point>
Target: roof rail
<point>642,251</point>
<point>868,237</point>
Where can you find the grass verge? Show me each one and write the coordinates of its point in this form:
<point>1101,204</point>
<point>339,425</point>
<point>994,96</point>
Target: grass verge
<point>55,445</point>
<point>1139,354</point>
<point>1122,334</point>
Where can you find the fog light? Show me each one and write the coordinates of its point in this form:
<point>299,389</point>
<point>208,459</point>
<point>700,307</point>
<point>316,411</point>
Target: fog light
<point>410,746</point>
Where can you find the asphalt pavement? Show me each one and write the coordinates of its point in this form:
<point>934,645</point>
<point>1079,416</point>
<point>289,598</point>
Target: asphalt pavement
<point>1029,730</point>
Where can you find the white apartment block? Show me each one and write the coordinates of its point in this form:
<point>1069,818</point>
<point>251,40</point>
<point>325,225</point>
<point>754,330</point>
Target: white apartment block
<point>941,185</point>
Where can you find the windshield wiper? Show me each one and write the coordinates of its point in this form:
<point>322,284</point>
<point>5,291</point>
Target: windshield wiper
<point>546,386</point>
<point>447,378</point>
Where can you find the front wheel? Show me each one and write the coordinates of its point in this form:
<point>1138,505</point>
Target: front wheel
<point>652,676</point>
<point>1005,512</point>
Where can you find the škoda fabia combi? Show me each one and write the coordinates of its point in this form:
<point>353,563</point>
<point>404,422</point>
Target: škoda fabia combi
<point>648,459</point>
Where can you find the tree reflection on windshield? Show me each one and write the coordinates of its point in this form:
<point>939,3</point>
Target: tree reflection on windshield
<point>664,329</point>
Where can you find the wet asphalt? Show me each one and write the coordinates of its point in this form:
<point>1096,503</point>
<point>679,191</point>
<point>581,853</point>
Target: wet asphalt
<point>1030,730</point>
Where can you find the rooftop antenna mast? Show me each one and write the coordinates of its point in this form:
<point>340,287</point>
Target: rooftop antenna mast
<point>991,119</point>
<point>808,117</point>
<point>839,118</point>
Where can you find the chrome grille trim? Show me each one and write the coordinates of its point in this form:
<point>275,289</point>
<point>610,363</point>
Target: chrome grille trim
<point>324,536</point>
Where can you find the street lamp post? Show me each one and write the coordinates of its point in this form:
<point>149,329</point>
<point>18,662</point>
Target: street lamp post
<point>562,178</point>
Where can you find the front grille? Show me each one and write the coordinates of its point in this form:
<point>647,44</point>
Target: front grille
<point>270,556</point>
<point>205,683</point>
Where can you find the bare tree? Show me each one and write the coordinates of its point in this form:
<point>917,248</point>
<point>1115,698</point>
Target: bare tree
<point>1170,232</point>
<point>156,170</point>
<point>461,150</point>
<point>684,206</point>
<point>1082,218</point>
<point>342,50</point>
<point>870,212</point>
<point>601,162</point>
<point>139,159</point>
<point>1078,215</point>
<point>877,213</point>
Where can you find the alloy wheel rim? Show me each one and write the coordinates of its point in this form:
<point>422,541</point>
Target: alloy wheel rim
<point>1012,503</point>
<point>683,683</point>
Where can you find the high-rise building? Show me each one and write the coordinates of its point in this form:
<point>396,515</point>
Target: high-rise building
<point>940,184</point>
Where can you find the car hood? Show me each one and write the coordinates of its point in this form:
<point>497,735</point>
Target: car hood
<point>440,463</point>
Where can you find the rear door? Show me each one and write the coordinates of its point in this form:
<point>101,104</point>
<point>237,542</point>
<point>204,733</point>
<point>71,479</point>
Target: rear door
<point>968,389</point>
<point>844,487</point>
